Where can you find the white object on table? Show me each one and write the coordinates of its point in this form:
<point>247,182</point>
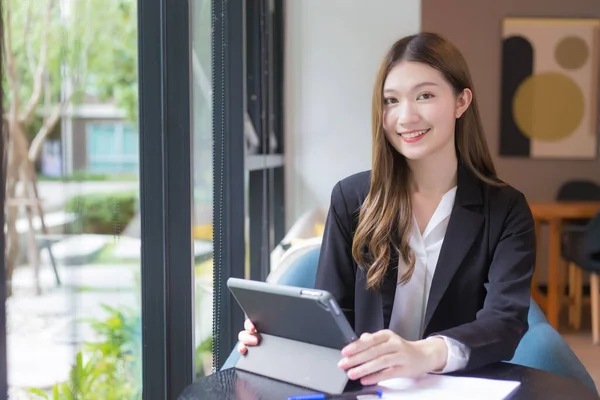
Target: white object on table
<point>444,387</point>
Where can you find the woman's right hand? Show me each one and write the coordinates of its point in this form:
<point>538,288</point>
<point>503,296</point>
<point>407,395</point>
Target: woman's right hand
<point>247,337</point>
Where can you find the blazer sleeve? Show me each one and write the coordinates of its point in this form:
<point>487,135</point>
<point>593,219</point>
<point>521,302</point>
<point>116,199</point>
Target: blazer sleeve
<point>502,322</point>
<point>336,272</point>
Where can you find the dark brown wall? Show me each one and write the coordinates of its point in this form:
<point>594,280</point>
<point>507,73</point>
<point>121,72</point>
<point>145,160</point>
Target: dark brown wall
<point>475,27</point>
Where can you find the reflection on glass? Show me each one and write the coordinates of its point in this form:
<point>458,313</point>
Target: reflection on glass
<point>72,214</point>
<point>203,181</point>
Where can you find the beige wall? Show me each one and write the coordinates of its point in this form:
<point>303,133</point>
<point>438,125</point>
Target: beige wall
<point>475,27</point>
<point>332,52</point>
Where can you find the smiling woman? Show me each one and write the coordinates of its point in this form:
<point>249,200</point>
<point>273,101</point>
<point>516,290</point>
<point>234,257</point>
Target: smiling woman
<point>426,89</point>
<point>429,254</point>
<point>417,99</point>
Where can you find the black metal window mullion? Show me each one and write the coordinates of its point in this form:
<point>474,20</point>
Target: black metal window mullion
<point>228,169</point>
<point>179,196</point>
<point>277,174</point>
<point>250,23</point>
<point>265,108</point>
<point>165,197</point>
<point>258,84</point>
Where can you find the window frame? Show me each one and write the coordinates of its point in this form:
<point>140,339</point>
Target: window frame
<point>166,197</point>
<point>265,105</point>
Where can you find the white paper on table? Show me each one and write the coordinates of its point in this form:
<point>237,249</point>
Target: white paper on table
<point>444,387</point>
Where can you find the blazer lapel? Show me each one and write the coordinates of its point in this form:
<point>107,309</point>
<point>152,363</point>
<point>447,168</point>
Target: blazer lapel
<point>464,225</point>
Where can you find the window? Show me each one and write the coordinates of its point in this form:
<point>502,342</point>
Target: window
<point>206,153</point>
<point>71,275</point>
<point>248,153</point>
<point>202,171</point>
<point>112,147</point>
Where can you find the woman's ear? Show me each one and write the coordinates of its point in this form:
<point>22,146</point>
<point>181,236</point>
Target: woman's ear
<point>463,101</point>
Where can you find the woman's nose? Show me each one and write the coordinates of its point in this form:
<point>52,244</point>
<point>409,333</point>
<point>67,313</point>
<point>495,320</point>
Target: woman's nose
<point>406,114</point>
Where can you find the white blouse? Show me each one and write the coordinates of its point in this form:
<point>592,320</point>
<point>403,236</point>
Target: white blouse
<point>410,301</point>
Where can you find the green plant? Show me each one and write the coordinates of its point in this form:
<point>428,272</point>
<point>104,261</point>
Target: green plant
<point>79,386</point>
<point>112,370</point>
<point>103,213</point>
<point>203,351</point>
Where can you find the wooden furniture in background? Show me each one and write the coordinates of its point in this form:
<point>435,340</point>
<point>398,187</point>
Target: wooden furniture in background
<point>553,214</point>
<point>595,300</point>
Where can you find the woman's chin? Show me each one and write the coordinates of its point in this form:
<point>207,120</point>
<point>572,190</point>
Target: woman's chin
<point>415,155</point>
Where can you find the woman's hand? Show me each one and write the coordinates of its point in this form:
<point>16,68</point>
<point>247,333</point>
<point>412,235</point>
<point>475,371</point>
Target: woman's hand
<point>247,337</point>
<point>385,355</point>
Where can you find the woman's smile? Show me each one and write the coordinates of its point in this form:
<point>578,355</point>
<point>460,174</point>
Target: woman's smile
<point>413,136</point>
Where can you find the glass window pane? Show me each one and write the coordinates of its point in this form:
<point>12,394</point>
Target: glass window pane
<point>203,181</point>
<point>73,232</point>
<point>131,143</point>
<point>101,140</point>
<point>112,147</point>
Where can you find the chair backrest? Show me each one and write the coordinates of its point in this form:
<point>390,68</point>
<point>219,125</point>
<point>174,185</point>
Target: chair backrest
<point>298,266</point>
<point>305,228</point>
<point>536,315</point>
<point>591,243</point>
<point>579,190</point>
<point>543,348</point>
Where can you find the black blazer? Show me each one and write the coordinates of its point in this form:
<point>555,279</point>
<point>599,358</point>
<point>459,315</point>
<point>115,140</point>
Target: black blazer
<point>480,293</point>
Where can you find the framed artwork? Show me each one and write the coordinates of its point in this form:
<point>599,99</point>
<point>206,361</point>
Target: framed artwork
<point>549,93</point>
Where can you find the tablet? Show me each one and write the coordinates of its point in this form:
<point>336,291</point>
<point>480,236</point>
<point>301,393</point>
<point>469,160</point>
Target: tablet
<point>306,315</point>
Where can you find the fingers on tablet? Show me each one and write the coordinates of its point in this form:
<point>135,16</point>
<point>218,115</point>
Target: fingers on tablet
<point>249,326</point>
<point>247,338</point>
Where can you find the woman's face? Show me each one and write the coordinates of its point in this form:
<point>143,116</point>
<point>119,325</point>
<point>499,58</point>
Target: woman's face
<point>420,109</point>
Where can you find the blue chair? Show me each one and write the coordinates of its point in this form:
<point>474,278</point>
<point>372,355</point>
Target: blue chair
<point>303,271</point>
<point>541,347</point>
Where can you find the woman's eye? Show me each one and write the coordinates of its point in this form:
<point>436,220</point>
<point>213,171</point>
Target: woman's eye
<point>425,96</point>
<point>390,100</point>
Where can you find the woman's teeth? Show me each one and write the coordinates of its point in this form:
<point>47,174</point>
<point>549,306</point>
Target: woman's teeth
<point>414,134</point>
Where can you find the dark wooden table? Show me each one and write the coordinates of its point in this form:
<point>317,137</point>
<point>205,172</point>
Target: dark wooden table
<point>235,384</point>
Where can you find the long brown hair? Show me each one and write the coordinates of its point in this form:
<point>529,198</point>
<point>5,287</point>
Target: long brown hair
<point>386,214</point>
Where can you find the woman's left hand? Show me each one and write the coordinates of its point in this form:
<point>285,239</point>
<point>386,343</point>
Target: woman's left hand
<point>384,355</point>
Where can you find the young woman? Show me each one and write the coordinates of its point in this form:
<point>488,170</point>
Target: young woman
<point>429,254</point>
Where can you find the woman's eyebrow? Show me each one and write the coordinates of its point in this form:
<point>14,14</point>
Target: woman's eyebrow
<point>417,86</point>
